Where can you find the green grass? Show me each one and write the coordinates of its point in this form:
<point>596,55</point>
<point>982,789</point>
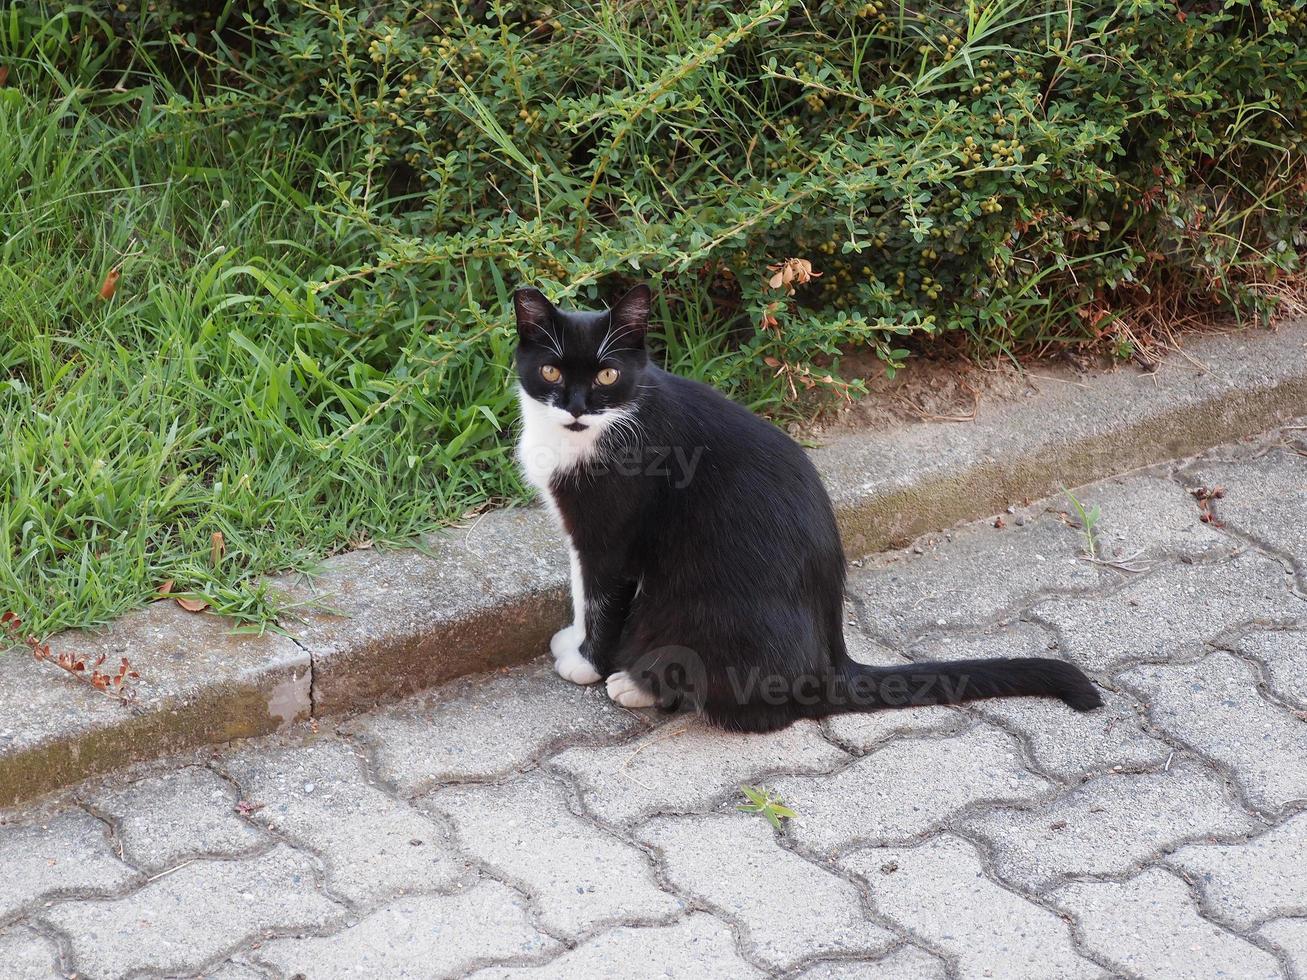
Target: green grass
<point>218,391</point>
<point>209,394</point>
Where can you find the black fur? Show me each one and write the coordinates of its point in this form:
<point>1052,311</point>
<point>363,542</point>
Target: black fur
<point>710,549</point>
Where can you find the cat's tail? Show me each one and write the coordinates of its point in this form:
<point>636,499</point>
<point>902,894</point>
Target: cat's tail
<point>860,687</point>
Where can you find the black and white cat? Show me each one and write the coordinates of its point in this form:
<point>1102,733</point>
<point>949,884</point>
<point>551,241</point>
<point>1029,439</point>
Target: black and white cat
<point>707,571</point>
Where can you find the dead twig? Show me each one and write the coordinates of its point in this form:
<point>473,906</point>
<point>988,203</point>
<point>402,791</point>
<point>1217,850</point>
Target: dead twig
<point>1125,564</point>
<point>118,685</point>
<point>164,874</point>
<point>662,736</point>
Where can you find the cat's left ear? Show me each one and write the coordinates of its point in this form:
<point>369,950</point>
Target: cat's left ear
<point>629,316</point>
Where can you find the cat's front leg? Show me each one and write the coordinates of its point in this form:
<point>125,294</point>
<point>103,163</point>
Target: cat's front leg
<point>605,621</point>
<point>570,662</point>
<point>568,639</point>
<point>626,691</point>
<point>605,602</point>
<point>570,656</point>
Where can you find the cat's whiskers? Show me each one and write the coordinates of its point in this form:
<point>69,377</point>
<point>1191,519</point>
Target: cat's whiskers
<point>555,344</point>
<point>610,338</point>
<point>627,430</point>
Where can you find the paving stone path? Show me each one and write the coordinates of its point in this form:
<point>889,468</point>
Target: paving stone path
<point>516,825</point>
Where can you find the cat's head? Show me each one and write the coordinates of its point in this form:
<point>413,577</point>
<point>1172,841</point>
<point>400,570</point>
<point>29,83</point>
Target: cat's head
<point>582,368</point>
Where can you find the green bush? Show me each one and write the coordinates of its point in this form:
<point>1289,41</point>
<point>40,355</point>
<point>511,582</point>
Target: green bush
<point>994,170</point>
<point>319,210</point>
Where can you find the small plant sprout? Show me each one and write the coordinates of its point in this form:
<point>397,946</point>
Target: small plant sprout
<point>765,804</point>
<point>1088,522</point>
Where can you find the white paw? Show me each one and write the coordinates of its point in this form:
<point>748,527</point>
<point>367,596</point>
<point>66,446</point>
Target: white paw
<point>567,642</point>
<point>623,689</point>
<point>575,668</point>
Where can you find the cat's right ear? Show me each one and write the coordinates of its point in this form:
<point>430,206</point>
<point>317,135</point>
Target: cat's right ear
<point>534,313</point>
<point>629,316</point>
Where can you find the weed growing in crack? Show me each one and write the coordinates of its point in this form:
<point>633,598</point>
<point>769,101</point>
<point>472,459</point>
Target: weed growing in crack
<point>766,804</point>
<point>1088,522</point>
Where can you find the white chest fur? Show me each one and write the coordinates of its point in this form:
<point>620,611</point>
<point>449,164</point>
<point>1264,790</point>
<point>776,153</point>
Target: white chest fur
<point>546,447</point>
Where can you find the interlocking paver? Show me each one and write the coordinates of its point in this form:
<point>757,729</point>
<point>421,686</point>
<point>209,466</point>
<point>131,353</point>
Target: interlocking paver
<point>1290,937</point>
<point>1073,744</point>
<point>699,947</point>
<point>1172,613</point>
<point>488,726</point>
<point>234,970</point>
<point>27,955</point>
<point>196,914</point>
<point>734,864</point>
<point>939,891</point>
<point>863,732</point>
<point>1263,497</point>
<point>904,963</point>
<point>1283,655</point>
<point>908,787</point>
<point>1143,518</point>
<point>1252,881</point>
<point>685,765</point>
<point>861,645</point>
<point>1066,743</point>
<point>1148,926</point>
<point>65,852</point>
<point>953,582</point>
<point>418,937</point>
<point>1213,705</point>
<point>167,818</point>
<point>1110,824</point>
<point>313,793</point>
<point>580,876</point>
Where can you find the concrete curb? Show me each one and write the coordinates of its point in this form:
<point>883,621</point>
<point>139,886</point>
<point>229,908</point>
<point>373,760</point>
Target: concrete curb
<point>892,487</point>
<point>490,594</point>
<point>200,686</point>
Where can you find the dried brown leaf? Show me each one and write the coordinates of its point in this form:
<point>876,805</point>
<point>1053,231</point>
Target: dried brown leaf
<point>791,273</point>
<point>110,284</point>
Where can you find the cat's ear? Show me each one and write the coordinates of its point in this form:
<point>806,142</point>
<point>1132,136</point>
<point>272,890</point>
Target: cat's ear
<point>534,313</point>
<point>629,317</point>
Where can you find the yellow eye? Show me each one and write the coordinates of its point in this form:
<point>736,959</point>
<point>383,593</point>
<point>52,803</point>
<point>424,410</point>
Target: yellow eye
<point>608,376</point>
<point>550,373</point>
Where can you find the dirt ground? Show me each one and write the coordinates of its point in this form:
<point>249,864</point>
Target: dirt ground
<point>947,389</point>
